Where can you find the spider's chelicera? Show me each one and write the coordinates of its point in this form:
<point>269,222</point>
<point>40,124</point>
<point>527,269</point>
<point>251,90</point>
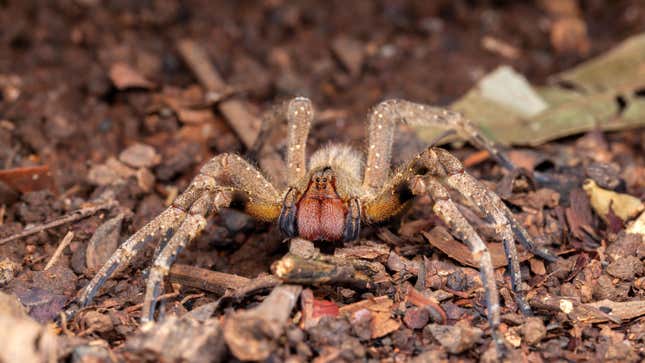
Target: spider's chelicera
<point>330,197</point>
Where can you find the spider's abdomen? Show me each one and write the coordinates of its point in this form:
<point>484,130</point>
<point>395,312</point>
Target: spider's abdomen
<point>321,218</point>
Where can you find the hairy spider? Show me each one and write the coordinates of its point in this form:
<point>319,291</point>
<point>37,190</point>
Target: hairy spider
<point>330,197</point>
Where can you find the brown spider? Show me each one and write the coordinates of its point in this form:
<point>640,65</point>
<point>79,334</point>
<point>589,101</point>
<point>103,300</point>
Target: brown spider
<point>328,198</point>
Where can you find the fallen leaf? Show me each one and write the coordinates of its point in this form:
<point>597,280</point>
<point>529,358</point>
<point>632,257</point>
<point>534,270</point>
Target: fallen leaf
<point>28,179</point>
<point>624,206</point>
<point>637,226</point>
<point>441,239</point>
<point>103,243</point>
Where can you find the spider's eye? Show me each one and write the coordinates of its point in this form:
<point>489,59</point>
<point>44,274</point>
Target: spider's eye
<point>317,180</point>
<point>324,180</point>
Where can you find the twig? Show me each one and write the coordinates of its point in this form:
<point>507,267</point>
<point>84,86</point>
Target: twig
<point>213,281</point>
<point>326,269</point>
<point>170,295</point>
<point>75,216</point>
<point>59,250</point>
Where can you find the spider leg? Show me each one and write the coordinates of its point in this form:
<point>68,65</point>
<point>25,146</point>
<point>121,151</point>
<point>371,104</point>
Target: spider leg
<point>192,225</point>
<point>165,223</point>
<point>446,209</point>
<point>490,203</point>
<point>249,191</point>
<point>299,114</point>
<point>382,122</point>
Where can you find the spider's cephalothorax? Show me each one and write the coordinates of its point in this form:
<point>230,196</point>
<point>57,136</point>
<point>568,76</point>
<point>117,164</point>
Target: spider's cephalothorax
<point>329,199</point>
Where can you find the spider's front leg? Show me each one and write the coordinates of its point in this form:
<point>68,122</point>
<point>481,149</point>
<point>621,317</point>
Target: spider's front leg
<point>224,180</point>
<point>192,225</point>
<point>165,224</point>
<point>495,211</point>
<point>387,114</point>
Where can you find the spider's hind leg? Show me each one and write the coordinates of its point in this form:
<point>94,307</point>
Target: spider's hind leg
<point>496,211</point>
<point>446,209</point>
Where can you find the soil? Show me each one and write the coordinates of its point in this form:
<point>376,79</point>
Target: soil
<point>100,95</point>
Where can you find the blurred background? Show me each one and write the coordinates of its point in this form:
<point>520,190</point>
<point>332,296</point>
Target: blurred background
<point>125,100</point>
<point>60,60</point>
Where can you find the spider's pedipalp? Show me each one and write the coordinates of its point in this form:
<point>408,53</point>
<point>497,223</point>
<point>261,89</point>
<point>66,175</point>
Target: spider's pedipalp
<point>352,221</point>
<point>384,118</point>
<point>287,218</point>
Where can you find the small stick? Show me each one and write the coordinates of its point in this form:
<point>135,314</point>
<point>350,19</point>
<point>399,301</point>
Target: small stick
<point>201,278</point>
<point>75,216</point>
<point>59,250</point>
<point>326,269</point>
<point>162,297</point>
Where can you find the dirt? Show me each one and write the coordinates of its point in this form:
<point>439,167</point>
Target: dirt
<point>100,95</point>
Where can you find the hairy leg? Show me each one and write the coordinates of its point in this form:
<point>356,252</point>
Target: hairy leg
<point>225,172</point>
<point>252,192</point>
<point>300,113</point>
<point>491,206</point>
<point>488,202</point>
<point>446,209</point>
<point>384,118</point>
<point>164,223</point>
<point>442,164</point>
<point>192,225</point>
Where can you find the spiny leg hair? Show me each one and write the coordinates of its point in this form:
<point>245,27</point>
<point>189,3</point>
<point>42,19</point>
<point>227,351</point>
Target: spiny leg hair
<point>386,115</point>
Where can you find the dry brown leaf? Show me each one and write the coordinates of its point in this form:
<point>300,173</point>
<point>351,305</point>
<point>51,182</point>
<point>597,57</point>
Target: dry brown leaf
<point>441,239</point>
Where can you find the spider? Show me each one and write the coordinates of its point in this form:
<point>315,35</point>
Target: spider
<point>329,198</point>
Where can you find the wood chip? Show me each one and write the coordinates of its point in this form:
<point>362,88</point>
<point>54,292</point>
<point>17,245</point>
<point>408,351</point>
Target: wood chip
<point>103,243</point>
<point>350,52</point>
<point>380,308</point>
<point>252,334</point>
<point>201,278</point>
<point>177,340</point>
<point>140,156</point>
<point>607,310</point>
<point>123,76</point>
<point>28,179</point>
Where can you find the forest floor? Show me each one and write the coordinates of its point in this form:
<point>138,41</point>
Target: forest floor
<point>100,101</point>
